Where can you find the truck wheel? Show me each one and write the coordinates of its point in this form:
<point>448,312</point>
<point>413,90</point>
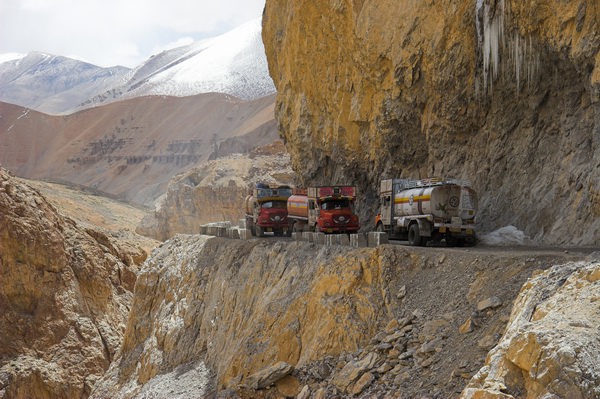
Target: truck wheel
<point>288,232</point>
<point>260,231</point>
<point>451,241</point>
<point>253,231</point>
<point>414,236</point>
<point>317,228</point>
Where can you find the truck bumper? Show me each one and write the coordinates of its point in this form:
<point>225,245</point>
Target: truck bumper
<point>456,230</point>
<point>273,226</point>
<point>349,229</point>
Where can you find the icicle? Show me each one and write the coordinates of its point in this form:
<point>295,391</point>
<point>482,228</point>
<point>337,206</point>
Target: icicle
<point>511,57</point>
<point>517,61</point>
<point>493,36</point>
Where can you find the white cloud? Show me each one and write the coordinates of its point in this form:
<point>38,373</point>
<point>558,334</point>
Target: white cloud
<point>111,32</point>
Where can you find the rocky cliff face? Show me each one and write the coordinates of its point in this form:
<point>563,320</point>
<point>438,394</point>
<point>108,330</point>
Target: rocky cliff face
<point>215,191</point>
<point>65,293</point>
<point>501,92</point>
<point>209,313</point>
<point>550,347</point>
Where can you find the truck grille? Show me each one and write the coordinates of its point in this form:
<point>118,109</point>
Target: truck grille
<point>341,219</point>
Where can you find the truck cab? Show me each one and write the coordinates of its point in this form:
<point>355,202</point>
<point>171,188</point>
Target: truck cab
<point>328,209</point>
<point>266,210</point>
<point>334,215</point>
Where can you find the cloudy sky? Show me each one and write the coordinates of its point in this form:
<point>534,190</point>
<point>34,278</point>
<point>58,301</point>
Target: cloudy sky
<point>116,32</point>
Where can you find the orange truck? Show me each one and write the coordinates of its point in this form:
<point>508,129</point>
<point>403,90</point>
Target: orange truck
<point>428,210</point>
<point>266,210</point>
<point>327,209</point>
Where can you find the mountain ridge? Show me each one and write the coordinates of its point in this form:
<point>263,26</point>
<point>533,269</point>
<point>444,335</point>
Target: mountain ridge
<point>233,63</point>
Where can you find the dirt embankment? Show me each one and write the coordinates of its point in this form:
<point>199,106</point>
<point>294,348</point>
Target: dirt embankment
<point>351,321</point>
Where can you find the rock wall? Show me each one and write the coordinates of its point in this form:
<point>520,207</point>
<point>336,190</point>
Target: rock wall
<point>215,191</point>
<point>209,313</point>
<point>65,293</point>
<point>551,346</point>
<point>501,92</point>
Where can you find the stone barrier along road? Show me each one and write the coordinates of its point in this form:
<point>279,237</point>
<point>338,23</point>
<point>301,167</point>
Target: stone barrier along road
<point>359,240</point>
<point>376,238</point>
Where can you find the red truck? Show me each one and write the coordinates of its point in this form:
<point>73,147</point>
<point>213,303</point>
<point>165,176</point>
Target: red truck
<point>327,209</point>
<point>266,210</point>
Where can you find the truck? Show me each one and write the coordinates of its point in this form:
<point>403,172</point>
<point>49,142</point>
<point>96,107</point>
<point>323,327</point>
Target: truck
<point>266,210</point>
<point>327,209</point>
<point>427,210</point>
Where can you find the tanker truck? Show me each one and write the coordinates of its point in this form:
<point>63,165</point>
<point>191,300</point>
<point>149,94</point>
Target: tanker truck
<point>428,210</point>
<point>266,210</point>
<point>328,209</point>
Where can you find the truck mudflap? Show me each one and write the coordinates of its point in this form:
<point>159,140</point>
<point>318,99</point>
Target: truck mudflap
<point>463,230</point>
<point>424,228</point>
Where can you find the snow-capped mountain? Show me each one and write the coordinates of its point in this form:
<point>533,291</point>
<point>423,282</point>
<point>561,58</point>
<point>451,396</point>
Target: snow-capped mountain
<point>233,63</point>
<point>52,84</point>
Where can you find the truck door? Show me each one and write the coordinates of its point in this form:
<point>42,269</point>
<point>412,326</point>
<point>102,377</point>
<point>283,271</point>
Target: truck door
<point>386,209</point>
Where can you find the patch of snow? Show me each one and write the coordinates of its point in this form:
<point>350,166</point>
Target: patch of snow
<point>25,112</point>
<point>508,235</point>
<point>10,57</point>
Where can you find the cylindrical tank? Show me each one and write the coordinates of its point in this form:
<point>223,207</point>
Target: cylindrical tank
<point>443,201</point>
<point>248,204</point>
<point>297,205</point>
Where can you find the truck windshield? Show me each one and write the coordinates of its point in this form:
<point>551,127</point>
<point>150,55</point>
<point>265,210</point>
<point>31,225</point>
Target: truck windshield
<point>274,204</point>
<point>336,204</point>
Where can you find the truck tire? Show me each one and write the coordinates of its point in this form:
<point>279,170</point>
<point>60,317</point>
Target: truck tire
<point>253,231</point>
<point>317,228</point>
<point>260,231</point>
<point>414,236</point>
<point>451,241</point>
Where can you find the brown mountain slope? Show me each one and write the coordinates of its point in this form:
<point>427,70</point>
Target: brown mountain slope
<point>132,148</point>
<point>92,210</point>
